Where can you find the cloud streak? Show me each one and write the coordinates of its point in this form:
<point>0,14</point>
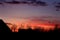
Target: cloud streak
<point>57,6</point>
<point>47,19</point>
<point>33,2</point>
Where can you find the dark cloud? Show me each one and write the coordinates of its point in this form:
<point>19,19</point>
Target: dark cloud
<point>13,2</point>
<point>41,3</point>
<point>33,2</point>
<point>1,3</point>
<point>57,6</point>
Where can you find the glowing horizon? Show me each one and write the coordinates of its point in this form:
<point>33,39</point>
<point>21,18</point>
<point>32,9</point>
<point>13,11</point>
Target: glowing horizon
<point>44,16</point>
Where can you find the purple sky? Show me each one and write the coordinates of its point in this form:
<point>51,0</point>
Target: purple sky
<point>19,12</point>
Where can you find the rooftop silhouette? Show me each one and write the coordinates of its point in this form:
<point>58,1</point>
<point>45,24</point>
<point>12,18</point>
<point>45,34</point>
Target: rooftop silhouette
<point>4,27</point>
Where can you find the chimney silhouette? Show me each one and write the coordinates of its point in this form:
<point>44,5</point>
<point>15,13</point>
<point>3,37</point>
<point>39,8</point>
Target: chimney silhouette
<point>4,27</point>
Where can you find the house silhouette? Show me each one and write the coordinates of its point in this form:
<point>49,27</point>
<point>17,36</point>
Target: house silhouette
<point>4,27</point>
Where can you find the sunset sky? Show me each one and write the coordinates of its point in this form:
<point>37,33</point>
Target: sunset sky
<point>46,16</point>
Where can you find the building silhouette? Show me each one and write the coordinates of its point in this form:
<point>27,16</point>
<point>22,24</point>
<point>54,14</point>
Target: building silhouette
<point>4,27</point>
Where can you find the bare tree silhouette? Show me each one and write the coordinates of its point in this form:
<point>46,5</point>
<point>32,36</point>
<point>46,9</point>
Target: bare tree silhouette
<point>56,28</point>
<point>13,28</point>
<point>22,26</point>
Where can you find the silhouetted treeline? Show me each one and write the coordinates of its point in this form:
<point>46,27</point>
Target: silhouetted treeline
<point>41,30</point>
<point>5,28</point>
